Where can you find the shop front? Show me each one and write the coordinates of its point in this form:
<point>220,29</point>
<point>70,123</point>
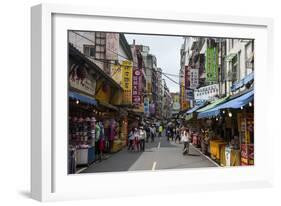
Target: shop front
<point>230,130</point>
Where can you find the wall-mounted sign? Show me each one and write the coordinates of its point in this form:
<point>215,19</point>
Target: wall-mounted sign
<point>207,93</point>
<point>126,82</point>
<point>136,87</point>
<point>211,64</point>
<point>80,79</point>
<point>194,78</point>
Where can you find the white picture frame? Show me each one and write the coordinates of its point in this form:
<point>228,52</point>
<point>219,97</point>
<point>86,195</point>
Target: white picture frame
<point>49,179</point>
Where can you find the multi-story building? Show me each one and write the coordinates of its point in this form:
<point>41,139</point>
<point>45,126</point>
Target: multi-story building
<point>166,111</point>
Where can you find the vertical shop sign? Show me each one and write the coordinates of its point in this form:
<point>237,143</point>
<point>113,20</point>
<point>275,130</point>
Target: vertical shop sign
<point>112,46</point>
<point>146,106</point>
<point>211,64</point>
<point>194,78</point>
<point>126,82</point>
<point>136,94</point>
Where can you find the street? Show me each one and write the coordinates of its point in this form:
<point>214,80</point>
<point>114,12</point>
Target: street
<point>161,154</point>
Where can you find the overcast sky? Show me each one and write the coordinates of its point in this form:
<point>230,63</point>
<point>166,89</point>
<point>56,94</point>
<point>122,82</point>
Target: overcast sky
<point>167,51</point>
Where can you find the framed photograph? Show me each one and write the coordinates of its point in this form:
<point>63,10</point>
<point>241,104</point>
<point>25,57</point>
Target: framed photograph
<point>135,102</point>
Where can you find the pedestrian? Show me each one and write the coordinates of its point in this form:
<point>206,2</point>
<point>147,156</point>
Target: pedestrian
<point>160,130</point>
<point>153,133</point>
<point>142,138</point>
<point>185,139</point>
<point>177,134</point>
<point>131,139</point>
<point>148,133</point>
<point>136,140</point>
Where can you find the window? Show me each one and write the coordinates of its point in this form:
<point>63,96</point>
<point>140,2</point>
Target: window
<point>234,65</point>
<point>89,50</point>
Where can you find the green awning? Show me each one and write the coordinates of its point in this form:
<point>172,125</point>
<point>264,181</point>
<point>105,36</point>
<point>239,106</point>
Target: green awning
<point>213,104</point>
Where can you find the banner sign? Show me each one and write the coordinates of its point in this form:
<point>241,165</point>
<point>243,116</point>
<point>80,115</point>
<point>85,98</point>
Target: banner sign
<point>146,106</point>
<point>194,78</point>
<point>136,87</point>
<point>207,93</point>
<point>211,64</point>
<point>126,82</point>
<point>80,79</point>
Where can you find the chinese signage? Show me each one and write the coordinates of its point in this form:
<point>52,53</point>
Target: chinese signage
<point>146,106</point>
<point>211,64</point>
<point>136,87</point>
<point>126,82</point>
<point>207,93</point>
<point>80,79</point>
<point>194,78</point>
<point>112,44</point>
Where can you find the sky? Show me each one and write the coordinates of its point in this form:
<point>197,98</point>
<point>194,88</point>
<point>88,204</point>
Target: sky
<point>167,51</point>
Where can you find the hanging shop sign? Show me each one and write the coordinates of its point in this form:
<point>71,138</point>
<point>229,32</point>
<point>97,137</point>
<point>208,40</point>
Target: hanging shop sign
<point>116,73</point>
<point>186,79</point>
<point>112,46</point>
<point>146,106</point>
<point>207,93</point>
<point>152,108</point>
<point>211,64</point>
<point>126,82</point>
<point>194,78</point>
<point>80,79</point>
<point>136,87</point>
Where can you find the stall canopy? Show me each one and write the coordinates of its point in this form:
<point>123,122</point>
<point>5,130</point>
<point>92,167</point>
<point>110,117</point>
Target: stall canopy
<point>195,108</point>
<point>212,105</point>
<point>82,98</point>
<point>231,104</point>
<point>237,85</point>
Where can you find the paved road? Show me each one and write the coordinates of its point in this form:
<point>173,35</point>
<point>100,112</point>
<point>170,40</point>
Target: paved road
<point>160,154</point>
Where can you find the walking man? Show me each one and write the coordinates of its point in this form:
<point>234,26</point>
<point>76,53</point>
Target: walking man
<point>142,138</point>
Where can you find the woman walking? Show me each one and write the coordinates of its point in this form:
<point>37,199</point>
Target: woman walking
<point>185,139</point>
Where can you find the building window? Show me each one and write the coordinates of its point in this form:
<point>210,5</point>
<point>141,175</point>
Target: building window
<point>89,50</point>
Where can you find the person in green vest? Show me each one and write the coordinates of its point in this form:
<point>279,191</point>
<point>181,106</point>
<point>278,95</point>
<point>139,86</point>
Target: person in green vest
<point>160,130</point>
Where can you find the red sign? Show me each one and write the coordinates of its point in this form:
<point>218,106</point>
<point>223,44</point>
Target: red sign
<point>136,87</point>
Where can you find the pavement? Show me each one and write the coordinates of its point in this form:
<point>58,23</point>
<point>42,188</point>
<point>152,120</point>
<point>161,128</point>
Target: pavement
<point>158,155</point>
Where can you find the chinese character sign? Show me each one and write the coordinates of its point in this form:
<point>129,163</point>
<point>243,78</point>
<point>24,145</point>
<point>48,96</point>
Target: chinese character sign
<point>211,64</point>
<point>194,78</point>
<point>136,87</point>
<point>126,83</point>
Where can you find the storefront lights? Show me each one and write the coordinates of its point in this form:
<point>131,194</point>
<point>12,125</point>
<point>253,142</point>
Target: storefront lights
<point>241,107</point>
<point>223,111</point>
<point>250,104</point>
<point>77,101</point>
<point>229,114</point>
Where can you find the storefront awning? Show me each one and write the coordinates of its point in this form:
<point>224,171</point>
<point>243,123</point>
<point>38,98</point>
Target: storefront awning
<point>238,102</point>
<point>242,82</point>
<point>212,105</point>
<point>231,104</point>
<point>82,98</point>
<point>195,108</point>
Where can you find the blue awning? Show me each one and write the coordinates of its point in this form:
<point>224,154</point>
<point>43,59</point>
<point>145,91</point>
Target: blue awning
<point>82,98</point>
<point>242,82</point>
<point>208,114</point>
<point>231,104</point>
<point>238,102</point>
<point>195,108</point>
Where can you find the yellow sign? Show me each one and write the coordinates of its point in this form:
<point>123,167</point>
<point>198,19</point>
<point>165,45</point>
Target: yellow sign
<point>126,82</point>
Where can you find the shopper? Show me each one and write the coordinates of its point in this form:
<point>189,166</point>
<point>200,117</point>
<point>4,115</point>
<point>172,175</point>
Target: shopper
<point>142,138</point>
<point>177,134</point>
<point>136,140</point>
<point>160,130</point>
<point>185,139</point>
<point>148,132</point>
<point>131,139</point>
<point>153,131</point>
